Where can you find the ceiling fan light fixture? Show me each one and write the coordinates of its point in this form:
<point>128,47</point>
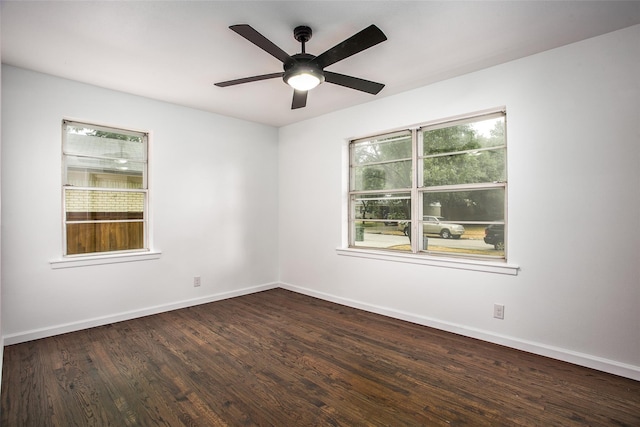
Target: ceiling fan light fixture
<point>303,78</point>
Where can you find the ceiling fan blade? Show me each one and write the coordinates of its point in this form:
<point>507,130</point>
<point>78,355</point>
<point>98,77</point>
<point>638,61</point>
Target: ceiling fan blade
<point>299,99</point>
<point>366,38</point>
<point>249,79</point>
<point>261,41</point>
<point>353,82</point>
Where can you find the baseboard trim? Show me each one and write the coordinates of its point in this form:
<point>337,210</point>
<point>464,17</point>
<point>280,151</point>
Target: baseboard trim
<point>128,315</point>
<point>576,358</point>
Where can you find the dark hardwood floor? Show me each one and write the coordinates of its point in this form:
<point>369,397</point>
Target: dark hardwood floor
<point>284,359</point>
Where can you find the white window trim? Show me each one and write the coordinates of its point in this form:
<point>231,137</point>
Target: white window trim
<point>493,266</point>
<point>431,260</point>
<point>105,258</point>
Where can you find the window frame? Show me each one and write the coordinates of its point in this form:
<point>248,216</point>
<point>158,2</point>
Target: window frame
<point>102,257</point>
<point>417,254</point>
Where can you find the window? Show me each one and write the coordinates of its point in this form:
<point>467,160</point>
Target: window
<point>105,192</point>
<point>444,182</point>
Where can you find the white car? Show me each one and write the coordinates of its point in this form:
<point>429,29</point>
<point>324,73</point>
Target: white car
<point>437,225</point>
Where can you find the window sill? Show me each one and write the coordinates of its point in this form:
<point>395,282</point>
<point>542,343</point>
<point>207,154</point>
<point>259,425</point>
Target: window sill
<point>83,261</point>
<point>457,263</point>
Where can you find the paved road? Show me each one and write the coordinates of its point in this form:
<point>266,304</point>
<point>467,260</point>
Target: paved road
<point>373,240</point>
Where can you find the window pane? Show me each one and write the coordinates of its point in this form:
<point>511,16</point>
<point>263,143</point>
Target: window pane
<point>94,143</point>
<point>382,206</point>
<point>379,235</point>
<point>105,173</point>
<point>469,205</point>
<point>88,205</point>
<point>467,136</point>
<point>455,221</point>
<point>84,238</point>
<point>465,168</point>
<point>382,149</point>
<point>383,220</point>
<point>386,176</point>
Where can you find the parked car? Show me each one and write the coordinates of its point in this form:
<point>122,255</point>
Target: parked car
<point>494,235</point>
<point>437,225</point>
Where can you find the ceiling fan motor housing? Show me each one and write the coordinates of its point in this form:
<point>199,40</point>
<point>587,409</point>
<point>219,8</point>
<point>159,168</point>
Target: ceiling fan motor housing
<point>301,63</point>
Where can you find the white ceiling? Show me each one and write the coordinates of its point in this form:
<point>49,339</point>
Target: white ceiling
<point>175,50</point>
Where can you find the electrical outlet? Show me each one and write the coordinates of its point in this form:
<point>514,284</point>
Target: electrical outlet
<point>498,311</point>
<point>196,281</point>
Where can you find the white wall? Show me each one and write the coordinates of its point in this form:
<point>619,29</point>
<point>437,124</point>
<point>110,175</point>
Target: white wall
<point>574,207</point>
<point>213,200</point>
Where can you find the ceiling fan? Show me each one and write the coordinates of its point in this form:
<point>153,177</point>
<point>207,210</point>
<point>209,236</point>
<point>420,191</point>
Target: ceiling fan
<point>304,71</point>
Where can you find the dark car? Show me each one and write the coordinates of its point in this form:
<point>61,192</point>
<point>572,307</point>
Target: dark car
<point>494,235</point>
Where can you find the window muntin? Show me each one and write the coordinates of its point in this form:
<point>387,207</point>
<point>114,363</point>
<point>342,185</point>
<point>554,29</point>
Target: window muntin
<point>104,189</point>
<point>456,191</point>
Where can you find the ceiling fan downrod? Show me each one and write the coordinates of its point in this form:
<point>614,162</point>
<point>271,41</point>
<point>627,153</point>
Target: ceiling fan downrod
<point>303,34</point>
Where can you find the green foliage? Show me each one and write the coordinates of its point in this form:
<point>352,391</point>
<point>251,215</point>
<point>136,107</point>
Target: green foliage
<point>453,155</point>
<point>103,134</point>
<point>450,139</point>
<point>374,179</point>
<point>111,135</point>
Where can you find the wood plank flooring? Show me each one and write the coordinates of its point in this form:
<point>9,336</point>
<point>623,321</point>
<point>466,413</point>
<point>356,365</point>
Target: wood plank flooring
<point>278,358</point>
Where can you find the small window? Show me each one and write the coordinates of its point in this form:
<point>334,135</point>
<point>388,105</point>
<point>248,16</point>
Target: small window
<point>444,182</point>
<point>105,190</point>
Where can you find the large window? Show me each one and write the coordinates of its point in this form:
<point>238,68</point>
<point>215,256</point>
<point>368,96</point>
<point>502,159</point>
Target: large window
<point>437,189</point>
<point>104,189</point>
